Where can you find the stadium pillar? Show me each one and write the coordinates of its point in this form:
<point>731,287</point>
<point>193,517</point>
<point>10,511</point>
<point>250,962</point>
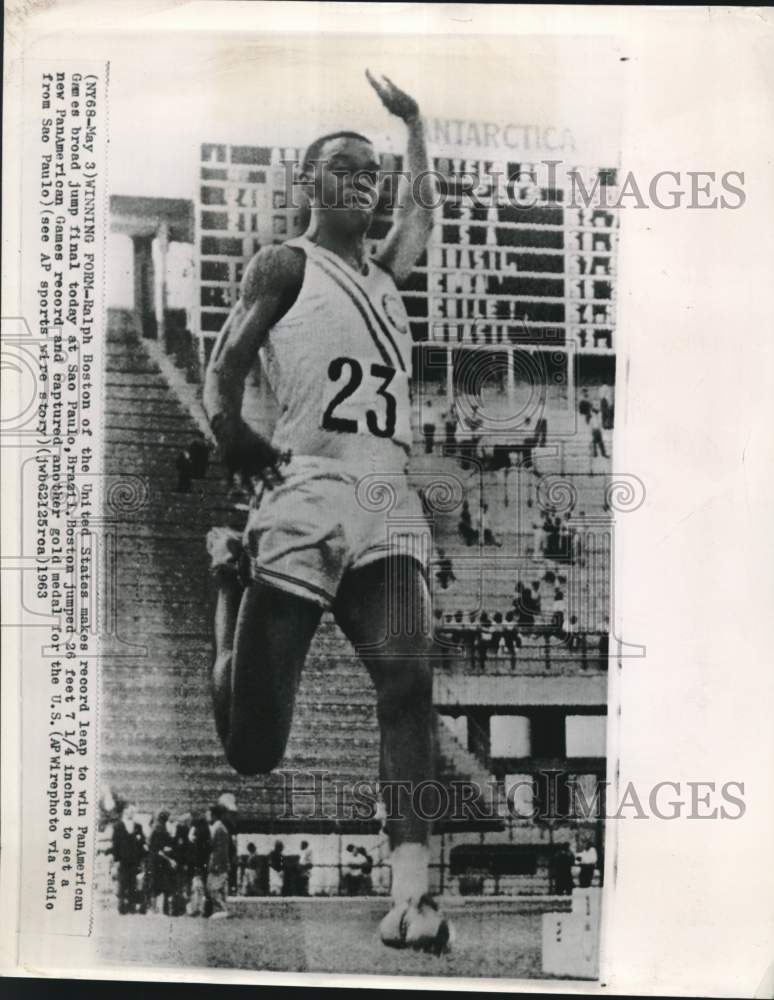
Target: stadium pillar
<point>144,285</point>
<point>161,243</point>
<point>511,381</point>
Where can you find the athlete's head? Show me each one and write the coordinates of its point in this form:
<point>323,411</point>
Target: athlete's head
<point>341,178</point>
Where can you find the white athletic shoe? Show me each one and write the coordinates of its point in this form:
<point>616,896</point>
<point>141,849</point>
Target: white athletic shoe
<point>417,925</point>
<point>220,915</point>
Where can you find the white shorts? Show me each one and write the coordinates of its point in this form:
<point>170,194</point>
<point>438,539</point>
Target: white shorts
<point>324,519</point>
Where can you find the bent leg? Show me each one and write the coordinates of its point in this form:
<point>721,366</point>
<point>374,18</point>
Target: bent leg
<point>272,636</point>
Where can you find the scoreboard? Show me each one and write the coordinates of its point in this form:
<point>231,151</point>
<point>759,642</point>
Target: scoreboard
<point>517,258</point>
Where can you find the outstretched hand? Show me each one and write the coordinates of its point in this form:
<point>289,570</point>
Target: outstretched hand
<point>393,98</point>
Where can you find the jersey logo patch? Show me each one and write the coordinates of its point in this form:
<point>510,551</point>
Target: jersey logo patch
<point>395,312</point>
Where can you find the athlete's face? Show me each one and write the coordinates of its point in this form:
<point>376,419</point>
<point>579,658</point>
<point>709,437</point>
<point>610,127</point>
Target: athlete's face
<point>346,183</point>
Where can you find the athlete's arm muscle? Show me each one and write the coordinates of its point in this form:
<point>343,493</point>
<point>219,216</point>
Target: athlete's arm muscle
<point>413,218</point>
<point>271,281</point>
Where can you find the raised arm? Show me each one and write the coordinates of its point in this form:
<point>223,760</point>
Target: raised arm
<point>413,219</point>
<point>269,286</point>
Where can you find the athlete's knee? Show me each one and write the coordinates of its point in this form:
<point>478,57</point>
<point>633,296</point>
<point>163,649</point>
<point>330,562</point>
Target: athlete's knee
<point>405,688</point>
<point>250,757</point>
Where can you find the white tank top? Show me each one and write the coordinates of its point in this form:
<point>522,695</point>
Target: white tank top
<point>339,363</point>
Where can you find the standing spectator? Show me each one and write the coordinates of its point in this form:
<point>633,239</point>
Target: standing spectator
<point>538,540</point>
<point>352,872</point>
<point>251,871</point>
<point>584,405</point>
<point>511,637</point>
<point>428,426</point>
<point>560,610</point>
<point>219,864</point>
<point>605,408</point>
<point>497,633</point>
<point>444,573</point>
<point>366,882</point>
<point>484,637</point>
<point>161,847</point>
<point>465,526</point>
<point>199,845</point>
<point>587,860</point>
<point>573,634</point>
<point>128,853</point>
<point>597,441</point>
<point>305,865</point>
<point>181,874</point>
<point>562,871</point>
<point>277,865</point>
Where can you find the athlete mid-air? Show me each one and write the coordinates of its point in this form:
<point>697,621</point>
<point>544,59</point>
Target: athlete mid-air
<point>334,340</point>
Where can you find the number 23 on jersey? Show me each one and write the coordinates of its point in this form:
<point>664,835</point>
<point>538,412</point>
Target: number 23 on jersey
<point>366,397</point>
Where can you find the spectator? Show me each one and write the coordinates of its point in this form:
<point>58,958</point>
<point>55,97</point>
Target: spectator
<point>219,864</point>
<point>465,526</point>
<point>184,469</point>
<point>199,845</point>
<point>511,637</point>
<point>445,571</point>
<point>428,426</point>
<point>497,634</point>
<point>525,611</point>
<point>562,871</point>
<point>573,634</point>
<point>251,871</point>
<point>366,882</point>
<point>277,866</point>
<point>605,408</point>
<point>587,860</point>
<point>483,638</point>
<point>128,854</point>
<point>228,802</point>
<point>584,405</point>
<point>199,456</point>
<point>471,433</point>
<point>161,847</point>
<point>305,865</point>
<point>560,610</point>
<point>597,441</point>
<point>484,531</point>
<point>353,872</point>
<point>538,540</point>
<point>181,874</point>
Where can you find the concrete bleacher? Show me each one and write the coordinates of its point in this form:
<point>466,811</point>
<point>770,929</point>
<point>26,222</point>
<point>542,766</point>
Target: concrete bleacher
<point>159,746</point>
